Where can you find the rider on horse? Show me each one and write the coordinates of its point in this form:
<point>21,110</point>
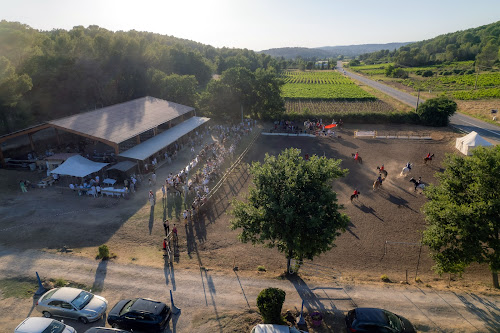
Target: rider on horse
<point>382,168</point>
<point>379,179</point>
<point>355,192</point>
<point>356,156</point>
<point>408,165</point>
<point>428,156</point>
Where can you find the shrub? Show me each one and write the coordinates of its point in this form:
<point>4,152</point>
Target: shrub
<point>270,301</point>
<point>385,278</point>
<point>103,252</point>
<point>60,283</point>
<point>400,73</point>
<point>428,73</point>
<point>261,268</point>
<point>436,111</point>
<point>447,73</point>
<point>419,72</point>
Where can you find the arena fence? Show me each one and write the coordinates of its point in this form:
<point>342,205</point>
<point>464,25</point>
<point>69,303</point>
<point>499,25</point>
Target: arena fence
<point>393,135</point>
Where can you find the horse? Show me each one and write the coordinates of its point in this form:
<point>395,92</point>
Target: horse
<point>428,159</point>
<point>406,170</point>
<point>383,172</point>
<point>376,185</point>
<point>418,184</point>
<point>355,196</point>
<point>359,160</point>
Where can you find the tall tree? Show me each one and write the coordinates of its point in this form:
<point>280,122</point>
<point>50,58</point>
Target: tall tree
<point>292,206</point>
<point>436,111</point>
<point>463,213</point>
<point>12,88</point>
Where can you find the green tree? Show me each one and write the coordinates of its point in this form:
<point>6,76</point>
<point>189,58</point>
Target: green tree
<point>12,88</point>
<point>292,206</point>
<point>270,301</point>
<point>463,213</point>
<point>436,111</point>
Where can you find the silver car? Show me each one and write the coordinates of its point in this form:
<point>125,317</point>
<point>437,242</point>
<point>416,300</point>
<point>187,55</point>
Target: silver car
<point>42,325</point>
<point>72,303</point>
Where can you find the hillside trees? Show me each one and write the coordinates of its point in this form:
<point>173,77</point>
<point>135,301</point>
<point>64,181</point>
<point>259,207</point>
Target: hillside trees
<point>240,90</point>
<point>292,206</point>
<point>85,68</point>
<point>463,213</point>
<point>12,88</point>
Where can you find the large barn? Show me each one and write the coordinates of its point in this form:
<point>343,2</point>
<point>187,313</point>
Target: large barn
<point>135,130</point>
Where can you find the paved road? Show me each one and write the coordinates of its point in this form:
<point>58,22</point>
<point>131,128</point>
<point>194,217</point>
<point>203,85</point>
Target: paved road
<point>201,291</point>
<point>458,120</point>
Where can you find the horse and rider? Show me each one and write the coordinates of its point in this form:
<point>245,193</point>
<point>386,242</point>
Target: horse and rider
<point>418,183</point>
<point>357,158</point>
<point>428,158</point>
<point>382,171</point>
<point>406,169</point>
<point>355,194</point>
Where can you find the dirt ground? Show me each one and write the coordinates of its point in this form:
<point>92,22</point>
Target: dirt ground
<point>382,238</point>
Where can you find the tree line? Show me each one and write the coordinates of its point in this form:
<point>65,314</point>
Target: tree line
<point>51,74</point>
<point>480,44</point>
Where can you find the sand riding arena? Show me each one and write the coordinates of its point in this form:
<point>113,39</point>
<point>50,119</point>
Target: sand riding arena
<point>383,237</point>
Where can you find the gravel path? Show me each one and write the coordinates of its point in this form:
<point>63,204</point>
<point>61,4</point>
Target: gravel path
<point>198,291</point>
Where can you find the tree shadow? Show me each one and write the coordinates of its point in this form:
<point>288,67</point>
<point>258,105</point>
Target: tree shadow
<point>490,318</point>
<point>100,275</point>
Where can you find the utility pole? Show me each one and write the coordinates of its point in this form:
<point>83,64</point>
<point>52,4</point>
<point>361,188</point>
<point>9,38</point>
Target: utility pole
<point>418,99</point>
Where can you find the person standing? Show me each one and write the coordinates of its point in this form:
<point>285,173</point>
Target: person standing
<point>23,187</point>
<point>98,190</point>
<point>174,234</point>
<point>151,198</point>
<point>163,191</point>
<point>166,227</point>
<point>165,246</point>
<point>153,178</point>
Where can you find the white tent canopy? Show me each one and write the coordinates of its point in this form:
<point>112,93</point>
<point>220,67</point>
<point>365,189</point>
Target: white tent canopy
<point>78,166</point>
<point>467,143</point>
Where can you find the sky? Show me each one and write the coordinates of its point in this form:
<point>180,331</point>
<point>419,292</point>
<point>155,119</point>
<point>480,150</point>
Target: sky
<point>262,24</point>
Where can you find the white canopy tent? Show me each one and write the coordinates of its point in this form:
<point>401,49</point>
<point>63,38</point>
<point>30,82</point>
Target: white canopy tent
<point>78,166</point>
<point>467,143</point>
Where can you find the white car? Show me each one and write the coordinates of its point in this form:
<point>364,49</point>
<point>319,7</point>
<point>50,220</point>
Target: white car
<point>72,303</point>
<point>43,325</point>
<point>272,328</point>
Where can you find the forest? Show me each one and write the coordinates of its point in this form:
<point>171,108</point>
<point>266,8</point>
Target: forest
<point>51,74</point>
<point>480,44</point>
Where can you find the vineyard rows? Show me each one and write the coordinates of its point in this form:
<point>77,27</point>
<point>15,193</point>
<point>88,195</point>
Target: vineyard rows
<point>326,107</point>
<point>457,82</point>
<point>321,86</point>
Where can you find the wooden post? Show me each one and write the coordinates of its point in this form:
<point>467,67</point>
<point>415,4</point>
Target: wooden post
<point>117,150</point>
<point>30,136</point>
<point>57,136</point>
<point>138,139</point>
<point>2,160</point>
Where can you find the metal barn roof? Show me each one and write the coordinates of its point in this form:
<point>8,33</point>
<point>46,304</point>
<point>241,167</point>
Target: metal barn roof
<point>117,123</point>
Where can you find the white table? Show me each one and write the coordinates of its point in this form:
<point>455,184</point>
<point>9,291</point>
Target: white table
<point>109,181</point>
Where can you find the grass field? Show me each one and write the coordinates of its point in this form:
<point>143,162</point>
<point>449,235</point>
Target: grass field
<point>456,80</point>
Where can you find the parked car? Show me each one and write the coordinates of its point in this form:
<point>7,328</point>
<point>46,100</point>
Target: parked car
<point>43,325</point>
<point>140,314</point>
<point>377,321</point>
<point>273,328</point>
<point>104,330</point>
<point>72,303</point>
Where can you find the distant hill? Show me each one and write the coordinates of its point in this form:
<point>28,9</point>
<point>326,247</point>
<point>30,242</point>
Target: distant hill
<point>480,44</point>
<point>330,51</point>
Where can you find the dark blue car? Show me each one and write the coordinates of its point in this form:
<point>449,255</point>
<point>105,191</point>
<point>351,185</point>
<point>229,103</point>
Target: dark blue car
<point>376,321</point>
<point>140,314</point>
